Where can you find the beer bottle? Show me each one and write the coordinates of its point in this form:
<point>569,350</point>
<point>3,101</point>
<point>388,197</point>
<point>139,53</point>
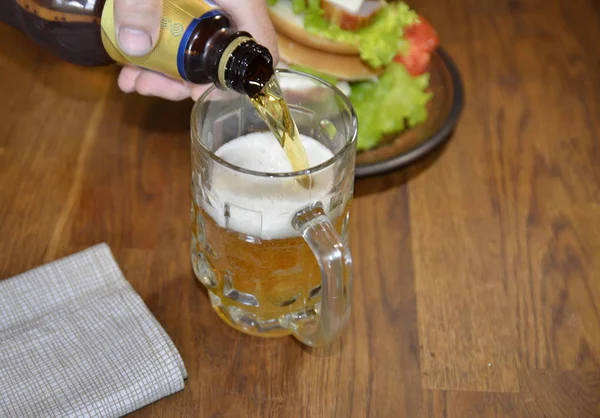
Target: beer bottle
<point>198,41</point>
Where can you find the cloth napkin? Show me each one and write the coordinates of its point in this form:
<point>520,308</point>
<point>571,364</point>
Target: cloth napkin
<point>77,341</point>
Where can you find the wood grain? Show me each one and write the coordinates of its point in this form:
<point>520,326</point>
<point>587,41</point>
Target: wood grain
<point>551,393</point>
<point>458,404</point>
<point>477,292</point>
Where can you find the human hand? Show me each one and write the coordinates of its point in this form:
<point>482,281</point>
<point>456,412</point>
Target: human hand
<point>138,24</point>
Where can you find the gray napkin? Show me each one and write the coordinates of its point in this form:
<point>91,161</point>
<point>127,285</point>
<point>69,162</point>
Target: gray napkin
<point>77,341</point>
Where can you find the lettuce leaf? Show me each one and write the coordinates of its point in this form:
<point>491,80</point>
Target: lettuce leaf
<point>303,6</point>
<point>393,103</point>
<point>378,43</point>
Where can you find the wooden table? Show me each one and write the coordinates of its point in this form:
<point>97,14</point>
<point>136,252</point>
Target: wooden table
<point>477,290</point>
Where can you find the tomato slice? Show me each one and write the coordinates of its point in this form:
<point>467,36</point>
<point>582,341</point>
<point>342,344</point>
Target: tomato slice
<point>416,61</point>
<point>422,35</point>
<point>423,40</point>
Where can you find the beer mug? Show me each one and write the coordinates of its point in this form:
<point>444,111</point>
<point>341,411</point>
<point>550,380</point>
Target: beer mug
<point>271,247</point>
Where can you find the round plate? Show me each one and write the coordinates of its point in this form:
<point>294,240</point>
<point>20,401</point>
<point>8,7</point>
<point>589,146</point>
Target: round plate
<point>444,108</point>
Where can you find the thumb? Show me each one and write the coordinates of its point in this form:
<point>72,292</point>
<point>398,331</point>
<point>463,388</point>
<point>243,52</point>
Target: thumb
<point>138,24</point>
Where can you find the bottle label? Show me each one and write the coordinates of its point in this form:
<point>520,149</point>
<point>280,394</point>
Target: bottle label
<point>179,19</point>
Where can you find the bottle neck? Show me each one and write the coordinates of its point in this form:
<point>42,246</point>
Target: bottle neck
<point>226,58</point>
<point>245,66</point>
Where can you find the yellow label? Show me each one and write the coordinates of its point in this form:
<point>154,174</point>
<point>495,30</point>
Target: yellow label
<point>176,19</point>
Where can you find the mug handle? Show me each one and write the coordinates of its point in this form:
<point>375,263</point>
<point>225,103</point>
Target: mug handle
<point>335,262</point>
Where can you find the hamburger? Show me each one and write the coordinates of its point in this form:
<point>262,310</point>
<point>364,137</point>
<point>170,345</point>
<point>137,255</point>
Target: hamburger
<point>377,52</point>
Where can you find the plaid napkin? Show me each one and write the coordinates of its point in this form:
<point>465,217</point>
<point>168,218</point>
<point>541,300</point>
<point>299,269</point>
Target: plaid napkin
<point>77,341</point>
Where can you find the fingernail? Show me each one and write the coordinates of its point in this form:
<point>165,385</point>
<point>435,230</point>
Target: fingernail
<point>134,42</point>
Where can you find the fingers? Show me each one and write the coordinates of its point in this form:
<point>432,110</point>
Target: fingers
<point>128,77</point>
<point>147,83</point>
<point>137,23</point>
<point>252,16</point>
<point>197,91</point>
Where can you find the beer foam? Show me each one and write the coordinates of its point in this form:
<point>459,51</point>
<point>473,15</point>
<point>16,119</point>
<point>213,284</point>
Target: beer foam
<point>264,207</point>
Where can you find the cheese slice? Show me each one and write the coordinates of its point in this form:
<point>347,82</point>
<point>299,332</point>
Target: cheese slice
<point>353,6</point>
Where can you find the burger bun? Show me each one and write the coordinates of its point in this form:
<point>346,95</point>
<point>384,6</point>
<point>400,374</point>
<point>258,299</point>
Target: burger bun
<point>343,67</point>
<point>286,22</point>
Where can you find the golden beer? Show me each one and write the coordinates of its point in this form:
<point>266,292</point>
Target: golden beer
<point>269,235</point>
<point>265,278</point>
<point>257,268</point>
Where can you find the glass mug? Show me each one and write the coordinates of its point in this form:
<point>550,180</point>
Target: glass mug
<point>272,253</point>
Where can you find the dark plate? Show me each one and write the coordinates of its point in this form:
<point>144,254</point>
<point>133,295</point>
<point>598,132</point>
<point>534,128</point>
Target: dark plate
<point>444,112</point>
